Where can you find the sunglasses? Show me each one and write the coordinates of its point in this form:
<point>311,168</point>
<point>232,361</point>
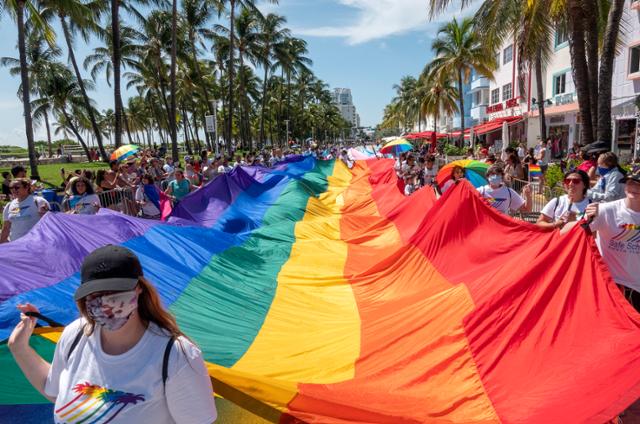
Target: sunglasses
<point>16,187</point>
<point>572,181</point>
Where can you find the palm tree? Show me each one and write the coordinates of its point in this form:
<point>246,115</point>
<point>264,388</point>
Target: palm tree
<point>195,16</point>
<point>83,19</point>
<point>230,72</point>
<point>407,100</point>
<point>531,24</point>
<point>67,101</point>
<point>291,59</point>
<point>437,94</point>
<point>272,38</point>
<point>16,9</point>
<point>458,52</point>
<point>40,58</point>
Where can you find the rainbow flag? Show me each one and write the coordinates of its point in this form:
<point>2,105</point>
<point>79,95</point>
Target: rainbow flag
<point>321,294</point>
<point>534,171</point>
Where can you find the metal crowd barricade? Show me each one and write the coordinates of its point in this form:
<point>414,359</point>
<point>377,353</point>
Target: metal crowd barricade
<point>120,200</point>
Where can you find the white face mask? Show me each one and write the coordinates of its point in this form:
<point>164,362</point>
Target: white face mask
<point>112,311</point>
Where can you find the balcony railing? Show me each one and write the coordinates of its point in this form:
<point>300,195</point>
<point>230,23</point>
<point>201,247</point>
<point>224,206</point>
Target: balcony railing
<point>481,82</point>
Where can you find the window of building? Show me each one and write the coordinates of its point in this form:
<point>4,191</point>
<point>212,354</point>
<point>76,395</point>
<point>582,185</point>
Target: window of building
<point>495,96</point>
<point>560,84</point>
<point>634,59</point>
<point>507,92</point>
<point>498,60</point>
<point>561,37</point>
<point>507,54</point>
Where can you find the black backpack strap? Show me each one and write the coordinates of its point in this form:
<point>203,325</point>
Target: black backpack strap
<point>556,207</point>
<point>165,360</point>
<point>75,342</point>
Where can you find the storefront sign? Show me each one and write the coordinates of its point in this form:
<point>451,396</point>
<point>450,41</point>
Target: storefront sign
<point>556,119</point>
<point>495,108</point>
<point>512,102</point>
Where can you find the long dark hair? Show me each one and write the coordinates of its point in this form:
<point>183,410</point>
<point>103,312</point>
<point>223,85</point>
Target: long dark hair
<point>87,184</point>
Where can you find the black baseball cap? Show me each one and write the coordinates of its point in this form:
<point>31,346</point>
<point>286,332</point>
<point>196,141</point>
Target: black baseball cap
<point>633,175</point>
<point>108,268</point>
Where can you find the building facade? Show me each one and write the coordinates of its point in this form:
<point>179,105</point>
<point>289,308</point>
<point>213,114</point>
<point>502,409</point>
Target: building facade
<point>626,83</point>
<point>344,101</point>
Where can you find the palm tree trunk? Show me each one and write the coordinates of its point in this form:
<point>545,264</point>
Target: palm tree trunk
<point>461,103</point>
<point>580,68</point>
<point>592,41</point>
<point>46,123</point>
<point>195,125</point>
<point>196,67</point>
<point>172,111</point>
<point>77,134</point>
<point>186,131</point>
<point>115,31</point>
<point>126,123</point>
<point>606,70</point>
<point>263,104</point>
<point>540,94</point>
<point>85,97</point>
<point>232,18</point>
<point>26,102</point>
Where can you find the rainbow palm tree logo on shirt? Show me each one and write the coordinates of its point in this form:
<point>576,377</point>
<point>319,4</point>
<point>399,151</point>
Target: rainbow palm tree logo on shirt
<point>94,404</point>
<point>628,233</point>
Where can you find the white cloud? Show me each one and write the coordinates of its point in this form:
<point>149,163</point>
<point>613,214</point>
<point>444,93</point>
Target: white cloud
<point>376,19</point>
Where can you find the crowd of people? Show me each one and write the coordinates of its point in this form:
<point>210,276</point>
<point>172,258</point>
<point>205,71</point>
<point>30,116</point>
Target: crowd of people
<point>119,307</point>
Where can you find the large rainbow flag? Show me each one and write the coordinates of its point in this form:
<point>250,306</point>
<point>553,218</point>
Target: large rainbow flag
<point>321,294</point>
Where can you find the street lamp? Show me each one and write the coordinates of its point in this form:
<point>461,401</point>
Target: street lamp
<point>214,106</point>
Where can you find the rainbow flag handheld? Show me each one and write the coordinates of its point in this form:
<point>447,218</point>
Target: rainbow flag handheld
<point>320,294</point>
<point>534,171</point>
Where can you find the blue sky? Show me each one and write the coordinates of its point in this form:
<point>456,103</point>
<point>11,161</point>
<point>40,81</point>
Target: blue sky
<point>364,45</point>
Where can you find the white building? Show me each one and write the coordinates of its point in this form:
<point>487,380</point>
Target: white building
<point>506,99</point>
<point>342,98</point>
<point>626,81</point>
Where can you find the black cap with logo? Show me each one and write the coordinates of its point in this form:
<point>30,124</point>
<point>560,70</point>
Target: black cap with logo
<point>108,268</point>
<point>633,175</point>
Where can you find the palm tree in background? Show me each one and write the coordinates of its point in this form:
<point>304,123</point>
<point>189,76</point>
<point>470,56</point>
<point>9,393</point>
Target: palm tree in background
<point>16,9</point>
<point>271,39</point>
<point>458,51</point>
<point>436,95</point>
<point>40,58</point>
<point>82,19</point>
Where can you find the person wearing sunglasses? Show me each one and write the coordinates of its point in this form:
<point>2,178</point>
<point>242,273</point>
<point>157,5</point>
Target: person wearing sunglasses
<point>23,212</point>
<point>125,359</point>
<point>567,208</point>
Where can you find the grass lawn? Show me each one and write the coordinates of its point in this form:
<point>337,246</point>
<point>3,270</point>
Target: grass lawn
<point>51,173</point>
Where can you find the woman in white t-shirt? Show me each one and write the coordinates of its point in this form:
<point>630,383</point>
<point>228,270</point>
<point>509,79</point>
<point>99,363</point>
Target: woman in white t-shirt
<point>23,212</point>
<point>561,210</point>
<point>502,197</point>
<point>82,199</point>
<point>148,198</point>
<point>618,238</point>
<point>125,359</point>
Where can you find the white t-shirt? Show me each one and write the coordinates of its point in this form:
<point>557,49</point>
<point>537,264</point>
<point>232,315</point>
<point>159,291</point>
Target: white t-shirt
<point>85,205</point>
<point>618,240</point>
<point>148,208</point>
<point>502,198</point>
<point>169,169</point>
<point>430,175</point>
<point>128,388</point>
<point>447,185</point>
<point>559,205</point>
<point>23,215</point>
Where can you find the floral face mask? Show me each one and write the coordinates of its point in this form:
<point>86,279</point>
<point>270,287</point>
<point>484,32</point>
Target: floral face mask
<point>112,311</point>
